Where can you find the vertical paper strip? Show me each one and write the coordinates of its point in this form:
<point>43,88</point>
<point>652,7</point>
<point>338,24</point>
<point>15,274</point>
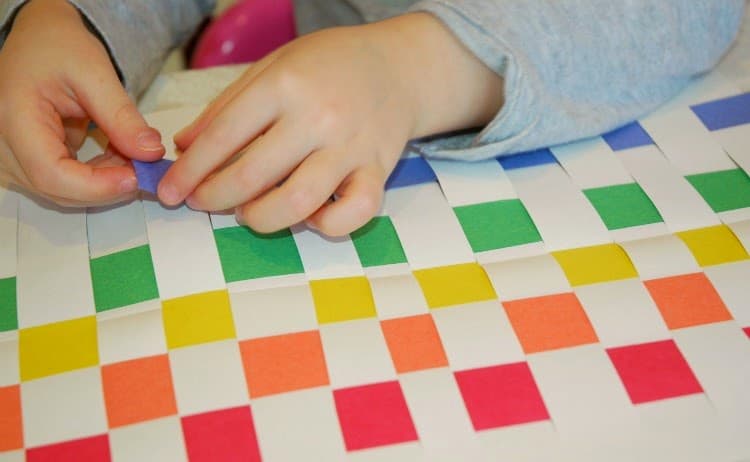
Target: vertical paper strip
<point>465,183</point>
<point>679,204</point>
<point>429,230</point>
<point>54,279</point>
<point>326,257</point>
<point>183,251</point>
<point>591,164</point>
<point>561,212</point>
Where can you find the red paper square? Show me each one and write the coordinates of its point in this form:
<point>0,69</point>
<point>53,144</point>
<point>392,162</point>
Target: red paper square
<point>654,371</point>
<point>374,415</point>
<point>226,435</point>
<point>92,449</point>
<point>499,396</point>
<point>747,331</point>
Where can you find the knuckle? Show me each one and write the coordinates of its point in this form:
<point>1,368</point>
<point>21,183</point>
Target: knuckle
<point>328,119</point>
<point>289,81</point>
<point>302,203</point>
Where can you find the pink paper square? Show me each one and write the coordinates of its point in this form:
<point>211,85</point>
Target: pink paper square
<point>226,435</point>
<point>499,396</point>
<point>91,449</point>
<point>654,371</point>
<point>374,415</point>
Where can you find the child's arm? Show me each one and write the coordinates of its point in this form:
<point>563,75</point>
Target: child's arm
<point>331,112</point>
<point>56,75</point>
<point>579,68</point>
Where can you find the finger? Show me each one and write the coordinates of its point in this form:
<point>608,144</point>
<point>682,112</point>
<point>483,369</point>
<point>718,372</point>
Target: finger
<point>309,187</point>
<point>11,172</point>
<point>46,163</point>
<point>358,200</point>
<point>185,137</point>
<point>75,133</point>
<point>110,159</point>
<point>241,120</point>
<point>111,108</point>
<point>268,160</point>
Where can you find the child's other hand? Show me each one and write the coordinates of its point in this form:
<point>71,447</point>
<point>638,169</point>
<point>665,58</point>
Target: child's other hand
<point>328,114</point>
<point>55,76</point>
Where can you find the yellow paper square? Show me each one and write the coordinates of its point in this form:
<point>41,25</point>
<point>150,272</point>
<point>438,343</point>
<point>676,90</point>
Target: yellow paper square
<point>59,347</point>
<point>714,245</point>
<point>342,299</point>
<point>198,318</point>
<point>599,263</point>
<point>455,285</point>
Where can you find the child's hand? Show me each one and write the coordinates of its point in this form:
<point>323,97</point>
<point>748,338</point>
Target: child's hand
<point>329,114</point>
<point>55,76</point>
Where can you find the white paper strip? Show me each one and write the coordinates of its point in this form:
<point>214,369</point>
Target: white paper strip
<point>591,164</point>
<point>562,214</point>
<point>477,335</point>
<point>326,257</point>
<point>465,183</point>
<point>736,142</point>
<point>586,400</point>
<point>183,250</point>
<point>427,227</point>
<point>356,353</point>
<point>622,313</point>
<point>440,416</point>
<point>297,425</point>
<point>686,142</point>
<point>113,229</point>
<point>54,275</point>
<point>679,204</point>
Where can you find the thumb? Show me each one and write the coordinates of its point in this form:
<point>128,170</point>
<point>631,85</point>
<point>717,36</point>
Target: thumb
<point>110,107</point>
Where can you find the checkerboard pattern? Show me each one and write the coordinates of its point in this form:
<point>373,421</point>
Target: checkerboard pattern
<point>584,302</point>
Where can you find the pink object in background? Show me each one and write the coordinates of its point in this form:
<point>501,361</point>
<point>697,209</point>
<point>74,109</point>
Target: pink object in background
<point>245,32</point>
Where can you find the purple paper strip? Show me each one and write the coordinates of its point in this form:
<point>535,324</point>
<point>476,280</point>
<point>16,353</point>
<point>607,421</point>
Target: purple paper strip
<point>149,174</point>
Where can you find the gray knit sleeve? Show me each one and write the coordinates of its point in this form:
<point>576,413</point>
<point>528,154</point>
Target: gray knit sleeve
<point>578,68</point>
<point>138,33</point>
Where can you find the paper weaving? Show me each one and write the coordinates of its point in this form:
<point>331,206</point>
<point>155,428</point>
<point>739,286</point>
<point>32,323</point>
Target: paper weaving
<point>584,302</point>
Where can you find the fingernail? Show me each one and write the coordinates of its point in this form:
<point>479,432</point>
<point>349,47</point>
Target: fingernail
<point>149,140</point>
<point>191,203</point>
<point>168,194</point>
<point>128,185</point>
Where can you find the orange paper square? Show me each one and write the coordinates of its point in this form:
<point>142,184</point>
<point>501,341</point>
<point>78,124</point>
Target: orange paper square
<point>283,363</point>
<point>550,322</point>
<point>687,300</point>
<point>138,390</point>
<point>414,343</point>
<point>11,427</point>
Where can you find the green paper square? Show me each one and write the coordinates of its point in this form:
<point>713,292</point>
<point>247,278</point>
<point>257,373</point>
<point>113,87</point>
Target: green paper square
<point>8,309</point>
<point>497,225</point>
<point>724,190</point>
<point>623,206</point>
<point>123,278</point>
<point>246,254</point>
<point>378,244</point>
